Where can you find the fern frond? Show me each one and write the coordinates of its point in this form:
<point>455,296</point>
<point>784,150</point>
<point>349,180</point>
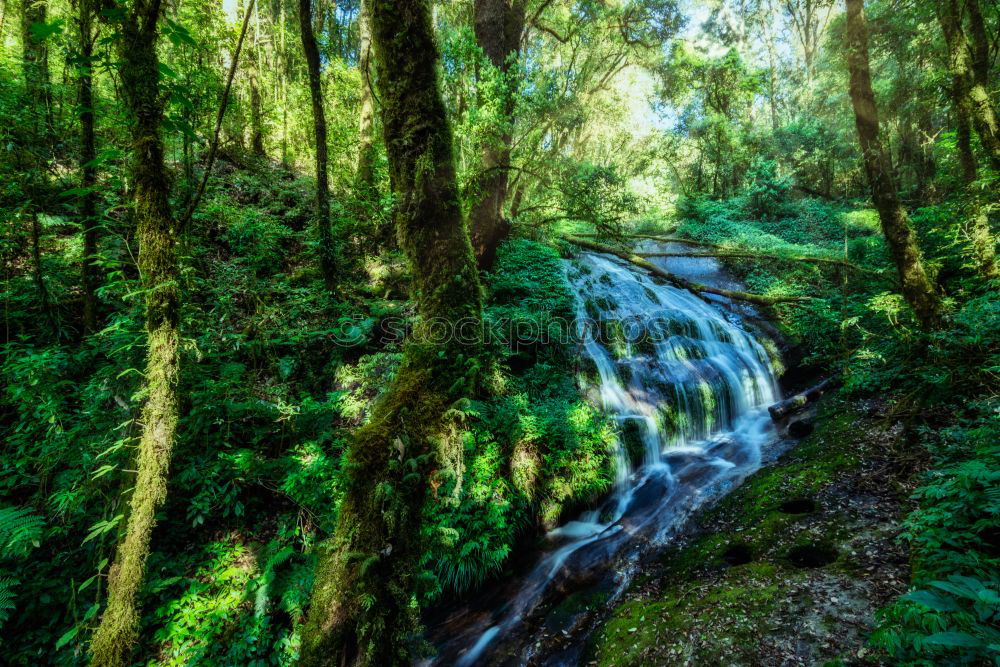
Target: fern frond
<point>7,595</point>
<point>20,531</point>
<point>267,581</point>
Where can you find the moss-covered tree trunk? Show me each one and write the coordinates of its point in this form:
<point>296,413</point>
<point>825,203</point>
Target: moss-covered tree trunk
<point>364,172</point>
<point>256,101</point>
<point>326,251</point>
<point>966,73</point>
<point>499,25</point>
<point>88,170</point>
<point>256,111</point>
<point>963,139</point>
<point>139,70</point>
<point>980,43</point>
<point>971,77</point>
<point>35,145</point>
<point>363,609</point>
<point>38,84</point>
<point>918,290</point>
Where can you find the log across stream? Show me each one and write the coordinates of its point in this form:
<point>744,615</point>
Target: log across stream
<point>688,386</point>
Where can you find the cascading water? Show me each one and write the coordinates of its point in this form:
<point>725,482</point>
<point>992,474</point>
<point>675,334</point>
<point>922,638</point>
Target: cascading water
<point>688,388</point>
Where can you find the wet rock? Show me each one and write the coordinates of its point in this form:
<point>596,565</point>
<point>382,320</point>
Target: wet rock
<point>800,428</point>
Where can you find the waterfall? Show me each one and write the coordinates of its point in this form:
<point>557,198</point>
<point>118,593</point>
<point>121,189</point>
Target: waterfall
<point>688,390</point>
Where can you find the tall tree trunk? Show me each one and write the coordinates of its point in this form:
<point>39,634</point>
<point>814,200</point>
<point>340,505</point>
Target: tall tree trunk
<point>36,64</point>
<point>36,144</point>
<point>256,114</point>
<point>38,274</point>
<point>980,44</point>
<point>498,26</point>
<point>965,75</point>
<point>917,287</point>
<point>157,231</point>
<point>88,153</point>
<point>963,140</point>
<point>981,237</point>
<point>364,172</point>
<point>256,104</point>
<point>362,609</point>
<point>326,251</point>
<point>972,89</point>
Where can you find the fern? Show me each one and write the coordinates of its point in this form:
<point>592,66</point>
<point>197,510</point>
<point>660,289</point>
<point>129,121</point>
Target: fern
<point>7,584</point>
<point>266,585</point>
<point>20,531</point>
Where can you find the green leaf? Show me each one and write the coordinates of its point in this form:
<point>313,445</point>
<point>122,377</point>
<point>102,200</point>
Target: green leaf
<point>932,600</point>
<point>166,72</point>
<point>960,639</point>
<point>68,637</point>
<point>102,471</point>
<point>42,31</point>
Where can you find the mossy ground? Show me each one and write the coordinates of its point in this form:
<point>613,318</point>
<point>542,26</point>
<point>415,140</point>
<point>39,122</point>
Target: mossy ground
<point>764,581</point>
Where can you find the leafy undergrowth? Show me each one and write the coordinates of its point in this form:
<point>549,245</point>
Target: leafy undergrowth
<point>787,569</point>
<point>276,372</point>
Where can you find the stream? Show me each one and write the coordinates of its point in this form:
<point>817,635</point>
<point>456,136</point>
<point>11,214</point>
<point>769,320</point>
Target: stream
<point>688,385</point>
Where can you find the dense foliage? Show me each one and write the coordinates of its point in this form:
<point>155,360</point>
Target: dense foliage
<point>723,123</point>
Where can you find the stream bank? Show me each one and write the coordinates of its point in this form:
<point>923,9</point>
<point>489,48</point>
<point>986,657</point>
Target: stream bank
<point>788,569</point>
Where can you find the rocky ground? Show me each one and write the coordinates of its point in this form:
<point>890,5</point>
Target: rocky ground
<point>789,569</point>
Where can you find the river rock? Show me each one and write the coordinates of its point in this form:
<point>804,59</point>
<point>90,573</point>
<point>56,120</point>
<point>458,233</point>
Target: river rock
<point>800,428</point>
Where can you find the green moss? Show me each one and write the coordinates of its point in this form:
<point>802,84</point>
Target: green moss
<point>713,605</point>
<point>735,610</point>
<point>631,433</point>
<point>563,614</point>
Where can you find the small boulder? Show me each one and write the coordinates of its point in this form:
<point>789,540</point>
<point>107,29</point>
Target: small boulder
<point>800,428</point>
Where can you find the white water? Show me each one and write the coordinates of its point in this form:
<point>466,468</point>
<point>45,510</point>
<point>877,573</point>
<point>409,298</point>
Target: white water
<point>688,385</point>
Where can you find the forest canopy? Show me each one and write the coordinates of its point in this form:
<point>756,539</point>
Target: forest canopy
<point>231,231</point>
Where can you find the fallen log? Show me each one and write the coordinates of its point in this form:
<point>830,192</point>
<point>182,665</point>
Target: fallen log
<point>760,255</point>
<point>793,404</point>
<point>683,283</point>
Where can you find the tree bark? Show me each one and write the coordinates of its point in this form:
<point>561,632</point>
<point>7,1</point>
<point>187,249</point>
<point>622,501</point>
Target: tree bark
<point>157,231</point>
<point>963,141</point>
<point>966,72</point>
<point>326,250</point>
<point>88,170</point>
<point>917,288</point>
<point>256,116</point>
<point>362,610</point>
<point>364,171</point>
<point>37,80</point>
<point>980,44</point>
<point>793,404</point>
<point>35,145</point>
<point>971,83</point>
<point>683,283</point>
<point>38,274</point>
<point>498,26</point>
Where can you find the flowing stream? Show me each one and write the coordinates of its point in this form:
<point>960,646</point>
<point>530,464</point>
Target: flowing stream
<point>688,387</point>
